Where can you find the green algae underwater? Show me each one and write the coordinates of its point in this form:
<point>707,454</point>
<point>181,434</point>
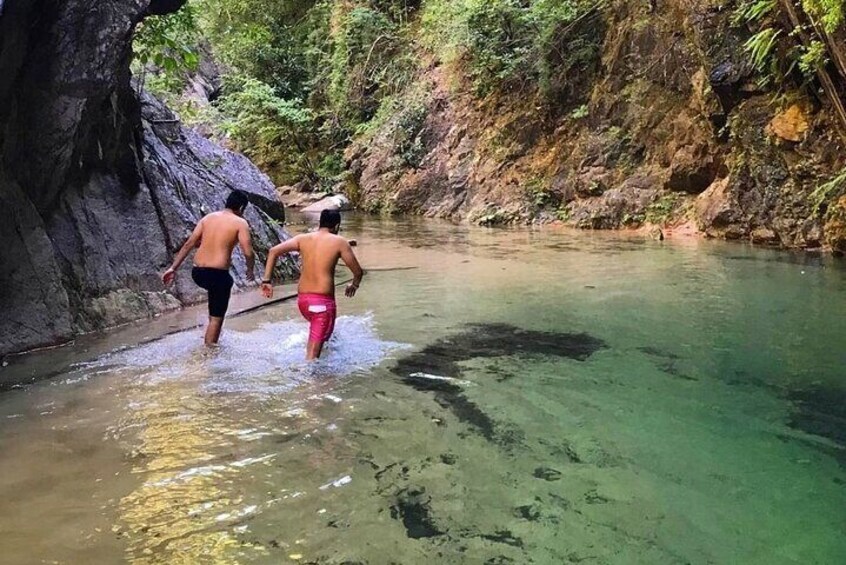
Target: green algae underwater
<point>492,396</point>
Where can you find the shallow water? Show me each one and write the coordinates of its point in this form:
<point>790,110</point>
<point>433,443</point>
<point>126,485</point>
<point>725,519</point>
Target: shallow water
<point>510,396</point>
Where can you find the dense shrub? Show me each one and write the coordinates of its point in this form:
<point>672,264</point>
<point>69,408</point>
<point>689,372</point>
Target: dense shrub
<point>551,46</point>
<point>305,76</point>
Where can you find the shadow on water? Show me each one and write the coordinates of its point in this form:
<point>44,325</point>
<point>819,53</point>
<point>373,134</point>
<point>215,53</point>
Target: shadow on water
<point>821,411</point>
<point>436,367</point>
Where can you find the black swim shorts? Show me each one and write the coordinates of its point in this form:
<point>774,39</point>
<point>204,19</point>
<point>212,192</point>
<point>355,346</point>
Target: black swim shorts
<point>218,282</point>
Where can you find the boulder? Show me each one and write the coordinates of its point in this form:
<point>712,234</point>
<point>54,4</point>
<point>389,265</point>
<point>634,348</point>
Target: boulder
<point>99,184</point>
<point>335,202</point>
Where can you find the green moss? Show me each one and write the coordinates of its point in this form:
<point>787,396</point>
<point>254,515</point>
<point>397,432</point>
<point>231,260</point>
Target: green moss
<point>661,210</point>
<point>538,192</point>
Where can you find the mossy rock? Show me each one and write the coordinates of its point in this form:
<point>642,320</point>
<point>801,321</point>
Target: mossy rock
<point>835,226</point>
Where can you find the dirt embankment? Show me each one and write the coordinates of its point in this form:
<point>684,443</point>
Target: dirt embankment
<point>668,126</point>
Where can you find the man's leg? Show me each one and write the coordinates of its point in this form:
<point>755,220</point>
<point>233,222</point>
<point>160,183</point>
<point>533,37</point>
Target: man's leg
<point>219,295</point>
<point>213,330</point>
<point>313,349</point>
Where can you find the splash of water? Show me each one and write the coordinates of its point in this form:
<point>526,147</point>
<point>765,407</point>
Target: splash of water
<point>267,360</point>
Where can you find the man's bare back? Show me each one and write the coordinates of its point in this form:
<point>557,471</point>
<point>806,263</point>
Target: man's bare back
<point>219,232</point>
<point>320,252</point>
<point>215,237</point>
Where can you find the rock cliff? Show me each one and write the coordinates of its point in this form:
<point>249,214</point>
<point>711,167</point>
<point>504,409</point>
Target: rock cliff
<point>661,121</point>
<point>98,184</point>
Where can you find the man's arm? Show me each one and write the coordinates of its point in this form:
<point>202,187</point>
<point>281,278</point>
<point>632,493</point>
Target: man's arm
<point>292,244</point>
<point>247,248</point>
<point>351,262</point>
<point>192,242</point>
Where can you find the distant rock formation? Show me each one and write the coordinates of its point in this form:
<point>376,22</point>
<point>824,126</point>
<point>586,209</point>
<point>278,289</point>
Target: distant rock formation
<point>98,185</point>
<point>667,125</point>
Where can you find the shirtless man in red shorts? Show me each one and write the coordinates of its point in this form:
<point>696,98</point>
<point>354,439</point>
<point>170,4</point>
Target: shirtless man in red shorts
<point>320,252</point>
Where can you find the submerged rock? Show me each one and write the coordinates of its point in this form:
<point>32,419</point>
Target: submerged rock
<point>412,507</point>
<point>442,359</point>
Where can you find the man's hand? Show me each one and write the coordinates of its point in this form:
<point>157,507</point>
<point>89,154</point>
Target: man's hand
<point>267,290</point>
<point>350,292</point>
<point>168,276</point>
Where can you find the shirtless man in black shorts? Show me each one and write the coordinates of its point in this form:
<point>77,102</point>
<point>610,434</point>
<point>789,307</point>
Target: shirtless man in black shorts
<point>216,235</point>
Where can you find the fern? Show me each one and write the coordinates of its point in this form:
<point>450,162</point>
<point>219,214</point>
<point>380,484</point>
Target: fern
<point>754,11</point>
<point>828,191</point>
<point>760,46</point>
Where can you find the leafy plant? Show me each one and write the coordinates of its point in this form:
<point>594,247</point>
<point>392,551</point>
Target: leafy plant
<point>409,127</point>
<point>539,194</point>
<point>275,132</point>
<point>813,58</point>
<point>760,46</point>
<point>169,44</point>
<point>830,13</point>
<point>753,11</point>
<point>828,191</point>
<point>580,112</point>
<point>661,210</point>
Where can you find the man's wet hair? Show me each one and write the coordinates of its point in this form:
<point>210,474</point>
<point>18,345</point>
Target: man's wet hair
<point>330,219</point>
<point>237,200</point>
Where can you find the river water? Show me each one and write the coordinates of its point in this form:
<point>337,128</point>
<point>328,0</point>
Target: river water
<point>491,396</point>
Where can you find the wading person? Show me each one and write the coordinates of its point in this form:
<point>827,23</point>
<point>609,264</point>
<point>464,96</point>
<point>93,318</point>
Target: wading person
<point>215,236</point>
<point>320,252</point>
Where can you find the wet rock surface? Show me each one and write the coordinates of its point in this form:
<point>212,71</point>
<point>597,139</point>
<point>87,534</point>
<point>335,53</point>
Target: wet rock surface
<point>99,184</point>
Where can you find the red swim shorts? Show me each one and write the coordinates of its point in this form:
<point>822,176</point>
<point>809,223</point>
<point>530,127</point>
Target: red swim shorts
<point>320,311</point>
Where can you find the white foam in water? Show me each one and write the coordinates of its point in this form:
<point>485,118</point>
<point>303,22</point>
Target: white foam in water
<point>337,483</point>
<point>267,360</point>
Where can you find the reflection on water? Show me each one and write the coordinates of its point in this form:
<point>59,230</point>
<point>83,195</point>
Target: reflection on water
<point>508,396</point>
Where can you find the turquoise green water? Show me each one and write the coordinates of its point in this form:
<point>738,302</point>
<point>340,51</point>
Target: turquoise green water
<point>513,396</point>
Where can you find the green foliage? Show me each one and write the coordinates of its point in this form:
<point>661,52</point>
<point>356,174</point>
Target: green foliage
<point>813,58</point>
<point>498,41</point>
<point>168,44</point>
<point>580,112</point>
<point>276,133</point>
<point>364,65</point>
<point>409,128</point>
<point>828,191</point>
<point>539,193</point>
<point>753,11</point>
<point>661,210</point>
<point>336,61</point>
<point>265,39</point>
<point>515,44</point>
<point>760,46</point>
<point>829,13</point>
<point>803,47</point>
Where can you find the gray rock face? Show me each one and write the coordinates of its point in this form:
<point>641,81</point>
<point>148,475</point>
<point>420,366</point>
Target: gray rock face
<point>99,185</point>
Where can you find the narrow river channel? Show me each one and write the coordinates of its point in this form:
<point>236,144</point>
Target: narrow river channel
<point>492,396</point>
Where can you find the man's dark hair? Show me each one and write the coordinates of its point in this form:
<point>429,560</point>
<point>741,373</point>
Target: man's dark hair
<point>237,200</point>
<point>330,219</point>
